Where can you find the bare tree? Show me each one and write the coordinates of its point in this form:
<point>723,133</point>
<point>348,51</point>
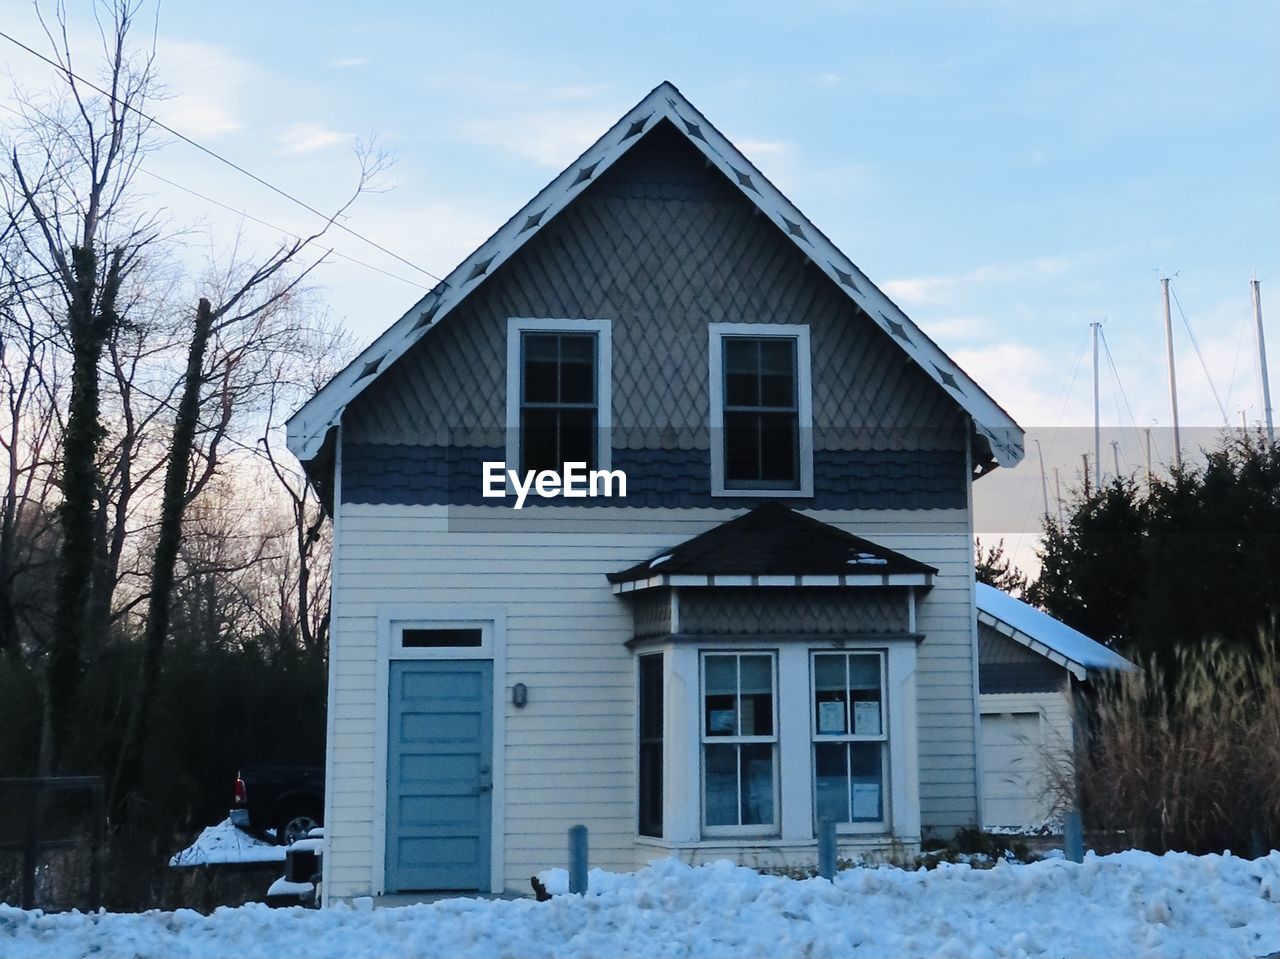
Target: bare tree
<point>67,193</point>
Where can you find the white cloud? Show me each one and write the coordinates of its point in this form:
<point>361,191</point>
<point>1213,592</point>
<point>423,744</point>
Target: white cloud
<point>930,290</point>
<point>207,87</point>
<point>763,148</point>
<point>1016,376</point>
<point>309,137</point>
<point>550,137</point>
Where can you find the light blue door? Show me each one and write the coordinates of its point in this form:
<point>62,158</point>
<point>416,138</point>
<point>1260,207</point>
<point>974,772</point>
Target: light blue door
<point>439,775</point>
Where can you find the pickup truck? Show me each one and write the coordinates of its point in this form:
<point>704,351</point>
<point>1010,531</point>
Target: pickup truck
<point>286,800</point>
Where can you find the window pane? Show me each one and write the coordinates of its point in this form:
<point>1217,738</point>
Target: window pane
<point>741,447</point>
<point>539,368</point>
<point>741,372</point>
<point>577,437</point>
<point>538,440</point>
<point>777,381</point>
<point>721,695</point>
<point>831,781</point>
<point>865,775</point>
<point>577,369</point>
<point>651,789</point>
<point>651,696</point>
<point>757,696</point>
<point>722,785</point>
<point>778,446</point>
<point>650,772</point>
<point>831,707</point>
<point>439,638</point>
<point>864,682</point>
<point>757,784</point>
<point>578,348</point>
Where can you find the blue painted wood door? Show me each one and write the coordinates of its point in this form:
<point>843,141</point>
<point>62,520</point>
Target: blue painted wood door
<point>439,775</point>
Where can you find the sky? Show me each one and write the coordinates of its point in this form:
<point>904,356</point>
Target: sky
<point>1008,172</point>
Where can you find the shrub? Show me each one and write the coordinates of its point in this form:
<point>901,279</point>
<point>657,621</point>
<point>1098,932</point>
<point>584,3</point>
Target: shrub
<point>1188,758</point>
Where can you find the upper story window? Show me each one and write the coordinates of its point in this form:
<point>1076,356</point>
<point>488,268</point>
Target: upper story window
<point>558,393</point>
<point>761,410</point>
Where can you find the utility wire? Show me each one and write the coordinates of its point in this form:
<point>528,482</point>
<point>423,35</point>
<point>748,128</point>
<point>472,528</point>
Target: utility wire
<point>1199,355</point>
<point>215,155</point>
<point>261,222</point>
<point>1115,373</point>
<point>278,229</point>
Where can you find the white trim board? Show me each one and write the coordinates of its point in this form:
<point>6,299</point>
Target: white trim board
<point>492,620</point>
<point>309,426</point>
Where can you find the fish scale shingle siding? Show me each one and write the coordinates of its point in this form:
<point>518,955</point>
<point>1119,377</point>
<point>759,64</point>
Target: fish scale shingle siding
<point>662,247</point>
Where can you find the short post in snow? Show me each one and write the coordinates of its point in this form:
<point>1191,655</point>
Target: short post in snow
<point>1073,836</point>
<point>827,849</point>
<point>577,859</point>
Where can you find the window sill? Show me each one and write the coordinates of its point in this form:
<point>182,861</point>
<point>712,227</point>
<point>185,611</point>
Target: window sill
<point>722,493</point>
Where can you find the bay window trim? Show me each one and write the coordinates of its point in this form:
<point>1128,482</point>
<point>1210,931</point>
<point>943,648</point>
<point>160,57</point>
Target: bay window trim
<point>798,332</point>
<point>517,326</point>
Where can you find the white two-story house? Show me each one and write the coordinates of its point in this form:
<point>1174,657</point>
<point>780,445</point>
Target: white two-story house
<point>775,625</point>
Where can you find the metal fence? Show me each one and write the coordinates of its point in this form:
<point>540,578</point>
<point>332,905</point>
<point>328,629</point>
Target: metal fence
<point>38,828</point>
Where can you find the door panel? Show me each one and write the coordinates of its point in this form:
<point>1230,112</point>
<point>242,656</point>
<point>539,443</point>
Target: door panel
<point>439,775</point>
<point>1013,770</point>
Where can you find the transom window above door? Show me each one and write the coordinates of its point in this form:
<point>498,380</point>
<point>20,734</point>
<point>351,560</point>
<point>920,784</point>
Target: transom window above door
<point>558,394</point>
<point>761,415</point>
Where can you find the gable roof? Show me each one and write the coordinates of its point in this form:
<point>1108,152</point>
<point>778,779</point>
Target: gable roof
<point>308,428</point>
<point>775,546</point>
<point>1049,637</point>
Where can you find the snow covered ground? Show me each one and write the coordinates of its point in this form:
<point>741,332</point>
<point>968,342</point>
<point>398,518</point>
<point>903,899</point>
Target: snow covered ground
<point>1126,905</point>
<point>223,844</point>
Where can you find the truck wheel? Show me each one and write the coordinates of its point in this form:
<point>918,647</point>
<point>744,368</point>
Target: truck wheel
<point>295,823</point>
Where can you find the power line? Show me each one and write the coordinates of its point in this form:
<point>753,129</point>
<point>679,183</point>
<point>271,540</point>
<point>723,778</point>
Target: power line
<point>278,229</point>
<point>261,222</point>
<point>215,155</point>
<point>1199,355</point>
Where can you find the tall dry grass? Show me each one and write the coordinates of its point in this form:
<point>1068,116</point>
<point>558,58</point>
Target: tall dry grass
<point>1187,758</point>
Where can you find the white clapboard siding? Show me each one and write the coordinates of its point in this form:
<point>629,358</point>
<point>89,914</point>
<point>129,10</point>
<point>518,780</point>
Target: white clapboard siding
<point>570,753</point>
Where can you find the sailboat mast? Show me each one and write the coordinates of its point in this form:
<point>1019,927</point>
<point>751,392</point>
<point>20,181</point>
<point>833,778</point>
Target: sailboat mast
<point>1044,480</point>
<point>1097,414</point>
<point>1173,375</point>
<point>1262,360</point>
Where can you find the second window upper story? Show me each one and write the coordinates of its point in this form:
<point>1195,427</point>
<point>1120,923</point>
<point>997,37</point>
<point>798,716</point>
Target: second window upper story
<point>761,410</point>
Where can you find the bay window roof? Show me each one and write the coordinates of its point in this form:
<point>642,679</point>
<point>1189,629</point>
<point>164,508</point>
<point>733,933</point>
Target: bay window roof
<point>775,546</point>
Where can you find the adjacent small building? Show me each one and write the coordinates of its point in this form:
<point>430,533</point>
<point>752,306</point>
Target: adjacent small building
<point>1030,667</point>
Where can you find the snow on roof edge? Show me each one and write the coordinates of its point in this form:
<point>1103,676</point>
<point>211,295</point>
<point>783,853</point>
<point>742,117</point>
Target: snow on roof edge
<point>1042,629</point>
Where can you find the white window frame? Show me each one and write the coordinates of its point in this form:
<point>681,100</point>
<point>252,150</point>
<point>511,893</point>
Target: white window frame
<point>766,829</point>
<point>603,329</point>
<point>886,766</point>
<point>804,403</point>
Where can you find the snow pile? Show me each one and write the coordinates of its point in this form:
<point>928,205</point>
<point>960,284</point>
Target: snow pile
<point>1130,904</point>
<point>224,843</point>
